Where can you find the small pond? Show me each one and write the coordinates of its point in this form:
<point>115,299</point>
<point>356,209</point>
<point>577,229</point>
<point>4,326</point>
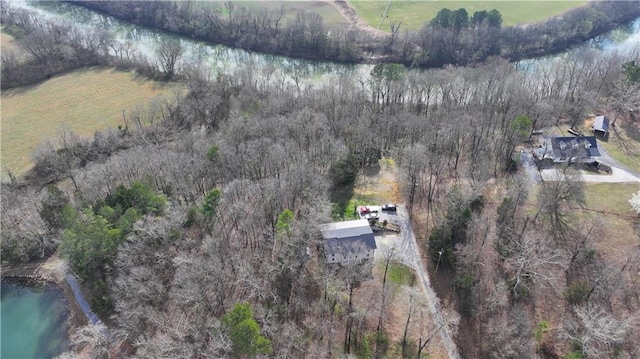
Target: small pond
<point>33,320</point>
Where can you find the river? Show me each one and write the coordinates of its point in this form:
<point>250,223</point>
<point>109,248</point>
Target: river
<point>33,321</point>
<point>218,59</point>
<point>223,59</point>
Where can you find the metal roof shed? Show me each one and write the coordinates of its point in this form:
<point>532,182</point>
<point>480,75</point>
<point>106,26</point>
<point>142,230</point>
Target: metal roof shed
<point>601,126</point>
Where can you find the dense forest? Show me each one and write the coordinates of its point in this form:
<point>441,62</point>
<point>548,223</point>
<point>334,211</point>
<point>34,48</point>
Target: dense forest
<point>453,37</point>
<point>195,225</point>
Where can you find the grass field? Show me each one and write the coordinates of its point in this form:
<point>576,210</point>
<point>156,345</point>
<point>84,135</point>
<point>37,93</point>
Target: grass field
<point>618,223</point>
<point>611,197</point>
<point>84,100</point>
<point>7,42</point>
<point>399,274</point>
<point>376,185</point>
<point>414,14</point>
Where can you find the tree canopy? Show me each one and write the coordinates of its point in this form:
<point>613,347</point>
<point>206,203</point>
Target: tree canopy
<point>245,332</point>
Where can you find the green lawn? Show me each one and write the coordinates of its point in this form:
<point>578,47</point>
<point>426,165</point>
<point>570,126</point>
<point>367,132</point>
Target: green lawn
<point>610,197</point>
<point>345,201</point>
<point>84,100</point>
<point>414,14</point>
<point>627,154</point>
<point>399,274</point>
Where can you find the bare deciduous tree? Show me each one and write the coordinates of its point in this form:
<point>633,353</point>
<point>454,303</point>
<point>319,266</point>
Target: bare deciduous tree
<point>169,53</point>
<point>531,262</point>
<point>598,331</point>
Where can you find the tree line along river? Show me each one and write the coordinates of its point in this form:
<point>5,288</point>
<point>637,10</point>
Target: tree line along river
<point>223,59</point>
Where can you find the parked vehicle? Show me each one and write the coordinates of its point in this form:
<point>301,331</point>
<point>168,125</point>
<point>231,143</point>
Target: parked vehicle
<point>372,217</point>
<point>389,207</point>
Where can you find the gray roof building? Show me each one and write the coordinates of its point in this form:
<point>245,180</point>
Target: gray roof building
<point>601,126</point>
<point>348,241</point>
<point>567,149</point>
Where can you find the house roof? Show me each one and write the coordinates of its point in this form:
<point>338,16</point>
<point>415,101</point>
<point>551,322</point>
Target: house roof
<point>345,229</point>
<point>347,237</point>
<point>573,148</point>
<point>601,124</point>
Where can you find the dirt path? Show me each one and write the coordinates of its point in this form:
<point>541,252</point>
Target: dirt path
<point>354,20</point>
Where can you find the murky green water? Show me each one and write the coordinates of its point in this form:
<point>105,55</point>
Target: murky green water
<point>32,321</point>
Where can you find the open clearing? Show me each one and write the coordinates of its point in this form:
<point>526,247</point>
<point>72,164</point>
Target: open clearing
<point>611,197</point>
<point>8,43</point>
<point>414,14</point>
<point>623,144</point>
<point>618,217</point>
<point>85,101</point>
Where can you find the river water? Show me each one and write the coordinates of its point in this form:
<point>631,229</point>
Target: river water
<point>33,321</point>
<point>217,59</point>
<point>223,59</point>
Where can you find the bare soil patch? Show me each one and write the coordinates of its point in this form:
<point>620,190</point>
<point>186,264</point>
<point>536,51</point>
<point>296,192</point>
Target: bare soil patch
<point>349,13</point>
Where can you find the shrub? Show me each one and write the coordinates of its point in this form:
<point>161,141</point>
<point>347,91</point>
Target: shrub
<point>244,331</point>
<point>139,196</point>
<point>464,284</point>
<point>577,292</point>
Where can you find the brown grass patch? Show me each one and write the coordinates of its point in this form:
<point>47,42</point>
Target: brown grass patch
<point>8,43</point>
<point>86,101</point>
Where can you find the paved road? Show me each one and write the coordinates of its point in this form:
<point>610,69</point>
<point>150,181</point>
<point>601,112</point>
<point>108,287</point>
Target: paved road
<point>530,167</point>
<point>407,251</point>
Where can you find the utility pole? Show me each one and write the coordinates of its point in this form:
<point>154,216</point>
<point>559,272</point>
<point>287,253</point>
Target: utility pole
<point>439,256</point>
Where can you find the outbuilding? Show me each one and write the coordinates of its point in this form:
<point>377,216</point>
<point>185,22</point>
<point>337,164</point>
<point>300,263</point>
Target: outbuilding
<point>601,126</point>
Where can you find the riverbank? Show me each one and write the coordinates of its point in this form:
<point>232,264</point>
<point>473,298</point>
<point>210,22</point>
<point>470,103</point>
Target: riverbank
<point>50,271</point>
<point>428,48</point>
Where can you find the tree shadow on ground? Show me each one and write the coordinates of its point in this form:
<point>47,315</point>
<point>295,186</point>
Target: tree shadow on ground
<point>340,197</point>
<point>344,198</point>
<point>631,128</point>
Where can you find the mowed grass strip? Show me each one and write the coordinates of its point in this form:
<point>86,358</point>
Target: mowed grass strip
<point>414,14</point>
<point>84,100</point>
<point>617,223</point>
<point>610,197</point>
<point>400,274</point>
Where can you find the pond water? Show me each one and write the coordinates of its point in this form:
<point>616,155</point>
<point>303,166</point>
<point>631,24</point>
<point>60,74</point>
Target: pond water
<point>33,321</point>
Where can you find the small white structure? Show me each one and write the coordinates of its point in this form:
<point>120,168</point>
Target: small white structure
<point>348,242</point>
<point>601,126</point>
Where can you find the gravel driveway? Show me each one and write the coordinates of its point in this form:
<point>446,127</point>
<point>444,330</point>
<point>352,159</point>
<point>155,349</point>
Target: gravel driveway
<point>407,252</point>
